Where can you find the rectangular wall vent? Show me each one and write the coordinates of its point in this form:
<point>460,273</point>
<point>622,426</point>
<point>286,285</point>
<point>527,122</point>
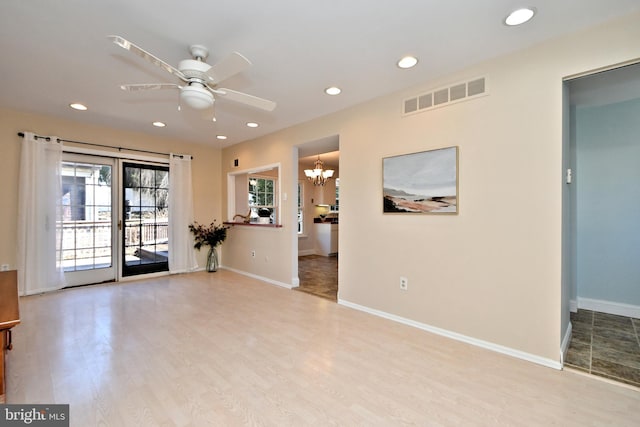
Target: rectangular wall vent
<point>425,101</point>
<point>411,105</point>
<point>441,96</point>
<point>458,92</point>
<point>445,96</point>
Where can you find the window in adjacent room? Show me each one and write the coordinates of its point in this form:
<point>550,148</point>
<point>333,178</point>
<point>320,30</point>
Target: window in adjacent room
<point>335,208</point>
<point>262,198</point>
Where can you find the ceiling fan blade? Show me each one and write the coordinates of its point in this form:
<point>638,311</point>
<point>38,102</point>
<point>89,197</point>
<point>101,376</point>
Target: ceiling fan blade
<point>245,98</point>
<point>231,65</point>
<point>149,86</point>
<point>126,44</point>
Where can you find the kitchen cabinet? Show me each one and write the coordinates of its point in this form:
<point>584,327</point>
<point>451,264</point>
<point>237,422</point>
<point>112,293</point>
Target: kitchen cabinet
<point>326,238</point>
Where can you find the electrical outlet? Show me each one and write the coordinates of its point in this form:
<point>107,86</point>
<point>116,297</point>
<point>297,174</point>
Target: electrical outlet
<point>404,283</point>
<point>253,254</point>
<point>4,267</point>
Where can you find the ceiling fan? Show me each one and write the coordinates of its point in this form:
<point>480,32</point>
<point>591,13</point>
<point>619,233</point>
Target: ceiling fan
<point>201,79</point>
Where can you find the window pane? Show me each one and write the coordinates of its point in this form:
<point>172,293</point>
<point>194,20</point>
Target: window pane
<point>146,237</point>
<point>261,194</point>
<point>162,198</point>
<point>147,178</point>
<point>86,214</point>
<point>162,179</point>
<point>131,177</point>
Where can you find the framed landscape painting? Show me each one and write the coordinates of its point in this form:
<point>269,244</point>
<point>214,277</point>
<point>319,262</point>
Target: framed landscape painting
<point>425,182</point>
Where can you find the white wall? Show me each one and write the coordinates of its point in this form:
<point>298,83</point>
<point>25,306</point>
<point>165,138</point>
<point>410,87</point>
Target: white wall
<point>608,202</point>
<point>492,273</point>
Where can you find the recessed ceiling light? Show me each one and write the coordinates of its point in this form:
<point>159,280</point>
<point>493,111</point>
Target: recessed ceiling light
<point>159,124</point>
<point>520,16</point>
<point>221,136</point>
<point>79,107</point>
<point>407,62</point>
<point>252,125</point>
<point>333,90</point>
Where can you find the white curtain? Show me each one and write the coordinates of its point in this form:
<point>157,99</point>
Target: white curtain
<point>182,257</point>
<point>39,213</point>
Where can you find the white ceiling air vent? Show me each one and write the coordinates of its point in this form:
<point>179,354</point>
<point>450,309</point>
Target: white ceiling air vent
<point>445,96</point>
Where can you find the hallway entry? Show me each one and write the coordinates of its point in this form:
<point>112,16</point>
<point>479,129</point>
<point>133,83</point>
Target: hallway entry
<point>319,276</point>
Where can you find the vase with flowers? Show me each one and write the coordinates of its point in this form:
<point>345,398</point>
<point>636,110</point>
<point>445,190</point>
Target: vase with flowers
<point>210,235</point>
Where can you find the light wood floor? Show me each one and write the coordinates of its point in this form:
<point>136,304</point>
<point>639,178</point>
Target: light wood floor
<point>224,349</point>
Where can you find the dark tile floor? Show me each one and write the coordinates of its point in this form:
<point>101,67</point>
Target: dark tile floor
<point>605,345</point>
<point>319,276</point>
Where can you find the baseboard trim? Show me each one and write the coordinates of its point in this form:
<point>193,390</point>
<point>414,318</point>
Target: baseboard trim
<point>307,252</point>
<point>573,306</point>
<point>264,279</point>
<point>565,344</point>
<point>458,337</point>
<point>609,307</point>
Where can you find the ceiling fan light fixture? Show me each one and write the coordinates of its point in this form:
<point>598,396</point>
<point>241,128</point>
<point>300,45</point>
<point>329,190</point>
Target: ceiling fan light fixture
<point>196,97</point>
<point>520,16</point>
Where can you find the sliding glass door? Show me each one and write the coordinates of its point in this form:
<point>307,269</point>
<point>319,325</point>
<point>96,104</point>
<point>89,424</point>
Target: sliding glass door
<point>145,217</point>
<point>88,222</point>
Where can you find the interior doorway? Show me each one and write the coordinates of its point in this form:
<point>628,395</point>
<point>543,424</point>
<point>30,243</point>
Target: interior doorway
<point>601,206</point>
<point>318,216</point>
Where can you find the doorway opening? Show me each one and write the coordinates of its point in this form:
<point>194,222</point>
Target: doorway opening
<point>601,204</point>
<point>317,240</point>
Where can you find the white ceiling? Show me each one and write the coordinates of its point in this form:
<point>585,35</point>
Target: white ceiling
<point>56,52</point>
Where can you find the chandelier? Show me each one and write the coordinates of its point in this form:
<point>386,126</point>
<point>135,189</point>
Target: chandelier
<point>318,175</point>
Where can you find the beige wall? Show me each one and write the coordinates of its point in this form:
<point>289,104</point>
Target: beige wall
<point>206,165</point>
<point>493,272</point>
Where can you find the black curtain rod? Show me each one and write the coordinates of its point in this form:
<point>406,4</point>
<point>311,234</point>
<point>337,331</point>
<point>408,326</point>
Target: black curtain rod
<point>47,138</point>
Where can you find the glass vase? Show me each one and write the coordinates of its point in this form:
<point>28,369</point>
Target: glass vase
<point>212,260</point>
